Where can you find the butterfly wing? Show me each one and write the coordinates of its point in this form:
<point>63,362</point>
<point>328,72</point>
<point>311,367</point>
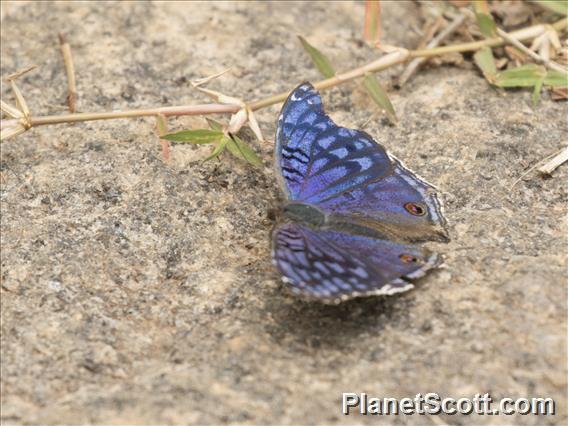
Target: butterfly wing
<point>344,172</point>
<point>332,266</point>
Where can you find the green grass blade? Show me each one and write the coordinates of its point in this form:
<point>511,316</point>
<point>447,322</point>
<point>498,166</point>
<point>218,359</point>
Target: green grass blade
<point>484,60</point>
<point>484,57</point>
<point>198,136</point>
<point>319,59</point>
<point>484,19</point>
<point>214,125</point>
<point>556,78</point>
<point>372,29</point>
<point>240,149</point>
<point>524,76</point>
<point>379,95</point>
<point>218,149</point>
<point>557,6</point>
<point>486,24</point>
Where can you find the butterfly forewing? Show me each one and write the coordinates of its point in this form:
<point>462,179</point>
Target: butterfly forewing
<point>316,158</point>
<point>345,172</point>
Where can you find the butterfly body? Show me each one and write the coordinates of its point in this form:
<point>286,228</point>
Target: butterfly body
<point>354,212</point>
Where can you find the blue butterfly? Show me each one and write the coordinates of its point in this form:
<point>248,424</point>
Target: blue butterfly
<point>354,213</point>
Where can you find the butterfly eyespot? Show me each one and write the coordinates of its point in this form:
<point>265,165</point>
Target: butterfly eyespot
<point>408,258</point>
<point>415,209</point>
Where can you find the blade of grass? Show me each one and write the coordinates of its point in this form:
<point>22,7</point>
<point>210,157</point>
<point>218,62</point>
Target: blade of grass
<point>372,29</point>
<point>484,60</point>
<point>219,148</point>
<point>484,57</point>
<point>523,76</point>
<point>198,136</point>
<point>486,24</point>
<point>484,19</point>
<point>240,149</point>
<point>379,95</point>
<point>319,59</point>
<point>557,6</point>
<point>556,79</point>
<point>536,92</point>
<point>215,125</point>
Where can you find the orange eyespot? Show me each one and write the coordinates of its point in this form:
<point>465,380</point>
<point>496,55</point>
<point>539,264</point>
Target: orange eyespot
<point>415,209</point>
<point>408,258</point>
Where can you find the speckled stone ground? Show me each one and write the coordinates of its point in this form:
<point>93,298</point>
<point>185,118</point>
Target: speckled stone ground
<point>139,292</point>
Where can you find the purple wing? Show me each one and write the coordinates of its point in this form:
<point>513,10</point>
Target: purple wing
<point>332,266</point>
<point>344,172</point>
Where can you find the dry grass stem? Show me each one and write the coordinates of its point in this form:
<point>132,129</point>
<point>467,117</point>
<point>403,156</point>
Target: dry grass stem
<point>233,105</point>
<point>10,111</point>
<point>545,166</point>
<point>416,62</point>
<point>162,128</point>
<point>201,81</point>
<point>555,162</point>
<point>394,58</point>
<point>20,73</point>
<point>538,58</point>
<point>372,28</point>
<point>520,35</point>
<point>70,70</point>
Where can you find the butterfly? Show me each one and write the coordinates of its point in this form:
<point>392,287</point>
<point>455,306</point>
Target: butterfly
<point>354,214</point>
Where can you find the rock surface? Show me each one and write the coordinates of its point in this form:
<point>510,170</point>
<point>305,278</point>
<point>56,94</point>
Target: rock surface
<point>139,292</point>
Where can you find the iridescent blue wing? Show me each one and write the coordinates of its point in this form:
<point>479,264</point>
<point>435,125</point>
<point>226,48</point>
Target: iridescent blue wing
<point>401,204</point>
<point>345,172</point>
<point>316,158</point>
<point>332,266</point>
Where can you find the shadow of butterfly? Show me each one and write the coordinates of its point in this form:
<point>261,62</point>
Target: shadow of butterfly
<point>354,213</point>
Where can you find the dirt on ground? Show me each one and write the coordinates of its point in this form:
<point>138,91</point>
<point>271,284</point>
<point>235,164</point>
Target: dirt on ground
<point>139,291</point>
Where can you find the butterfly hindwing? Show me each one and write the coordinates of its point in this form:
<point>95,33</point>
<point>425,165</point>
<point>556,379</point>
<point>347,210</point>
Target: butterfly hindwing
<point>333,266</point>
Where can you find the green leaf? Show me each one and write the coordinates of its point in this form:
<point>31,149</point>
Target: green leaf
<point>218,149</point>
<point>486,24</point>
<point>379,95</point>
<point>484,60</point>
<point>320,61</point>
<point>557,6</point>
<point>484,19</point>
<point>556,78</point>
<point>215,125</point>
<point>536,92</point>
<point>240,149</point>
<point>523,76</point>
<point>198,136</point>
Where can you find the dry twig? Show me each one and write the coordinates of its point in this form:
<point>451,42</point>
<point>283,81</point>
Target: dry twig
<point>538,58</point>
<point>70,70</point>
<point>13,126</point>
<point>554,163</point>
<point>416,62</point>
<point>556,159</point>
<point>162,127</point>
